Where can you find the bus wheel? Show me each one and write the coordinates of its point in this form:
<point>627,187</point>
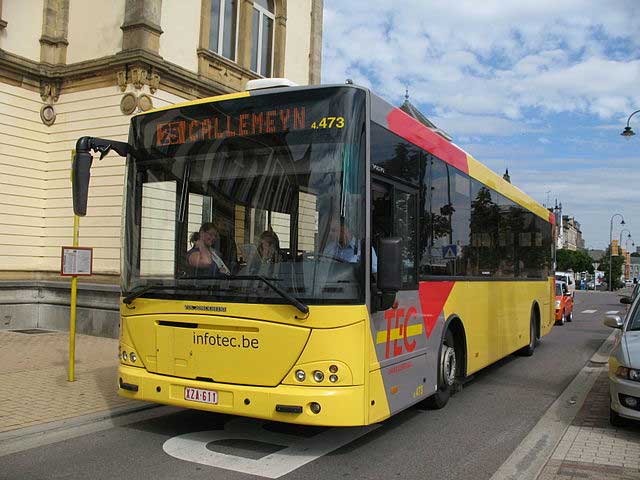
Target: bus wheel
<point>447,373</point>
<point>528,350</point>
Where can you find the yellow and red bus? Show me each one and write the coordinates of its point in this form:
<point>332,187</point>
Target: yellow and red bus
<point>448,268</point>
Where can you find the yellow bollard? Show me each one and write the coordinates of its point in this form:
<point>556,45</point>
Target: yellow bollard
<point>74,301</point>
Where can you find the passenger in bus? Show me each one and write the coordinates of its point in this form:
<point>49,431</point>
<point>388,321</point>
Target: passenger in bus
<point>203,256</point>
<point>269,248</point>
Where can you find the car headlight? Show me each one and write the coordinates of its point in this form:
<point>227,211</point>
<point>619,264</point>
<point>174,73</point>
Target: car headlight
<point>557,304</point>
<point>628,374</point>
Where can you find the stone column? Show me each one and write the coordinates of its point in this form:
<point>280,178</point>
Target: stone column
<point>141,27</point>
<point>244,34</point>
<point>280,40</point>
<point>315,46</point>
<point>55,24</point>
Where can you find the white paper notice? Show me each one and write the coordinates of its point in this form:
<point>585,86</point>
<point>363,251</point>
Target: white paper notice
<point>76,261</point>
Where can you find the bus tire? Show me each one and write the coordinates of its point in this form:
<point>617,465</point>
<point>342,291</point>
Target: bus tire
<point>447,373</point>
<point>533,338</point>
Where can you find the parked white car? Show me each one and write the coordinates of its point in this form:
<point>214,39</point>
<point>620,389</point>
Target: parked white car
<point>569,279</point>
<point>624,366</point>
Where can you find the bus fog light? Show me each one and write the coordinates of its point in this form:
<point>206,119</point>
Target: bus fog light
<point>333,378</point>
<point>133,357</point>
<point>631,402</point>
<point>318,376</point>
<point>124,356</point>
<point>300,375</point>
<point>315,407</point>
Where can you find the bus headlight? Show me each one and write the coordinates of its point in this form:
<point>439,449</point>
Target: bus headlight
<point>318,376</point>
<point>300,375</point>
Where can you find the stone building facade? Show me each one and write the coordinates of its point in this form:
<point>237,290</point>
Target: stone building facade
<point>70,68</point>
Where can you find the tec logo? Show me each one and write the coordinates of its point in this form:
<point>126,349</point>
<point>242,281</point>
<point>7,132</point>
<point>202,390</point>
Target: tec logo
<point>397,337</point>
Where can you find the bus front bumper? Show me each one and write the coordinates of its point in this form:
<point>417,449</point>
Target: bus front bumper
<point>339,406</point>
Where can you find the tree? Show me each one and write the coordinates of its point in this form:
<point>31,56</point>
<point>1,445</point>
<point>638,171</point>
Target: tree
<point>616,268</point>
<point>576,260</point>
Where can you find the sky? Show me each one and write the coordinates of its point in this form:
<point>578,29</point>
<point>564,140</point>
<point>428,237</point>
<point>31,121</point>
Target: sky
<point>541,87</point>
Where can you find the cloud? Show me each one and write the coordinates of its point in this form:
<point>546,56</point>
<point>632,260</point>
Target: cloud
<point>542,87</point>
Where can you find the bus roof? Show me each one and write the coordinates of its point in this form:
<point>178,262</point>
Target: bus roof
<point>409,128</point>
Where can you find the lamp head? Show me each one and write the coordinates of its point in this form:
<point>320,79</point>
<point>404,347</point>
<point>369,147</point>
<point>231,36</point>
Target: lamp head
<point>628,133</point>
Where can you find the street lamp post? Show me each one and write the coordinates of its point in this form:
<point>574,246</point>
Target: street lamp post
<point>621,232</point>
<point>628,131</point>
<point>611,244</point>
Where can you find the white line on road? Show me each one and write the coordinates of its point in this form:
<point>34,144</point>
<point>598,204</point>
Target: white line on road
<point>530,457</point>
<point>612,312</point>
<point>194,447</point>
<point>589,311</point>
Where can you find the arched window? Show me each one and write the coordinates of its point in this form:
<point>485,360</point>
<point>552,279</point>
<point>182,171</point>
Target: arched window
<point>263,22</point>
<point>223,34</point>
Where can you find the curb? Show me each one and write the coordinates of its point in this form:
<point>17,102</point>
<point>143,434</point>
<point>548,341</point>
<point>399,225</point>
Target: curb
<point>536,449</point>
<point>39,435</point>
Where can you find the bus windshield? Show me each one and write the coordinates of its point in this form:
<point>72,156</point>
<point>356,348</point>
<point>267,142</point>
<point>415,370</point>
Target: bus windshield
<point>247,200</point>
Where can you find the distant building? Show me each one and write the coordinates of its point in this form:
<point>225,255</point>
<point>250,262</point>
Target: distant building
<point>571,234</point>
<point>596,254</point>
<point>408,108</point>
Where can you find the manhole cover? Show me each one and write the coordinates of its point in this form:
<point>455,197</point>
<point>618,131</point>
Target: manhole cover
<point>33,331</point>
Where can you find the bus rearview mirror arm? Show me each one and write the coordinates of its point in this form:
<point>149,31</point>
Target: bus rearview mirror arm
<point>81,167</point>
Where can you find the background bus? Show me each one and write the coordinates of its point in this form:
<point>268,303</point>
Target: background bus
<point>449,267</point>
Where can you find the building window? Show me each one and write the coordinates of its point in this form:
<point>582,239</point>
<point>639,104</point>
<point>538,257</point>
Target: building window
<point>263,22</point>
<point>223,34</point>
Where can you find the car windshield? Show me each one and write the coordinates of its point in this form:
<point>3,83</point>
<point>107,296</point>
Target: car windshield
<point>558,289</point>
<point>246,200</point>
<point>634,321</point>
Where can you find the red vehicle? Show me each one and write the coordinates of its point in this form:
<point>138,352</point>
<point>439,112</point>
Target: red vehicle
<point>564,303</point>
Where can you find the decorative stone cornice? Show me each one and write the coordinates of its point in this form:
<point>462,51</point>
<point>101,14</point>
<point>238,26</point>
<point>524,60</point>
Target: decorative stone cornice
<point>138,76</point>
<point>222,70</point>
<point>159,73</point>
<point>50,90</point>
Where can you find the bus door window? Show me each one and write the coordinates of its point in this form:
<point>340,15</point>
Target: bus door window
<point>381,215</point>
<point>393,214</point>
<point>405,227</point>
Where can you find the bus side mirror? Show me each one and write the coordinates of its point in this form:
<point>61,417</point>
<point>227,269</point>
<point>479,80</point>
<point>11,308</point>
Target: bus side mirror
<point>81,172</point>
<point>389,262</point>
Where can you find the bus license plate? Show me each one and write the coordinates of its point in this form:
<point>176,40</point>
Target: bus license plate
<point>199,395</point>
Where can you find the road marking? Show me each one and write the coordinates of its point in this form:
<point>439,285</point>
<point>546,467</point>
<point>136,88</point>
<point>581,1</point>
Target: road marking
<point>295,450</point>
<point>530,457</point>
<point>589,311</point>
<point>612,312</point>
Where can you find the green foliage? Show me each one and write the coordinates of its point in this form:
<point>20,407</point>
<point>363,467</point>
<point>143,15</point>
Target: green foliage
<point>576,260</point>
<point>617,262</point>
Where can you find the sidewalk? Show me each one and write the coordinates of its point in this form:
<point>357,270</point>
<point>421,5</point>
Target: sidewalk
<point>591,448</point>
<point>33,375</point>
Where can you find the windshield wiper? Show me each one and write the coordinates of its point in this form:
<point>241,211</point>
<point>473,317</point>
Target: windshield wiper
<point>290,298</point>
<point>138,292</point>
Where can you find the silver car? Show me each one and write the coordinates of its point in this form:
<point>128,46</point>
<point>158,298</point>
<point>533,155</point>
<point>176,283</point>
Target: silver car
<point>624,366</point>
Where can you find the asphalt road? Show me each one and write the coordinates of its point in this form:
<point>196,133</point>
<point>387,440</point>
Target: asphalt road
<point>469,439</point>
